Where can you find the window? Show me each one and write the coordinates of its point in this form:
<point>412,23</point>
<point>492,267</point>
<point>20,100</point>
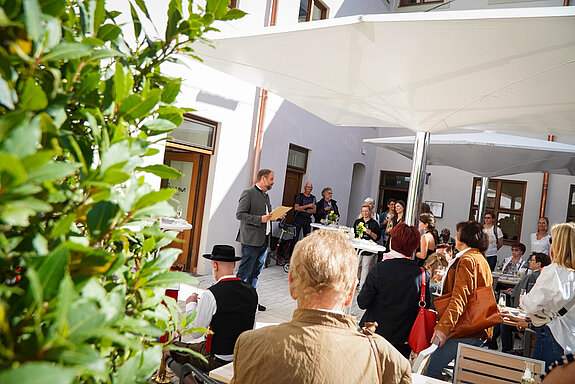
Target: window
<point>297,158</point>
<point>195,132</point>
<point>506,199</point>
<point>392,185</point>
<point>571,205</point>
<point>312,10</point>
<point>416,2</point>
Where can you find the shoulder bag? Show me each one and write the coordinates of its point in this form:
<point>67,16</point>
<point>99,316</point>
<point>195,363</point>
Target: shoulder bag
<point>422,328</point>
<point>480,312</point>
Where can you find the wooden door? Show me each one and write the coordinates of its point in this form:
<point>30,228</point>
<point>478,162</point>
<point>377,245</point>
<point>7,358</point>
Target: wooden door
<point>292,186</point>
<point>190,195</point>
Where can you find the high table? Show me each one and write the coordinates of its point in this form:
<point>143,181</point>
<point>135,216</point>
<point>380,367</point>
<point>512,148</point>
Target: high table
<point>505,279</point>
<point>225,373</point>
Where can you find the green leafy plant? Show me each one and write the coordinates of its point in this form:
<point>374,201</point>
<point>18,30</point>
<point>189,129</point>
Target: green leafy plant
<point>82,258</point>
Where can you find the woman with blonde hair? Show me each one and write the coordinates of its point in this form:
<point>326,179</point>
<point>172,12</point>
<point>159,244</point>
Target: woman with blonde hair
<point>551,302</point>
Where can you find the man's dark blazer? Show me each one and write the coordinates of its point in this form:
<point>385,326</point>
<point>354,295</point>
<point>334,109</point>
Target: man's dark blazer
<point>251,208</point>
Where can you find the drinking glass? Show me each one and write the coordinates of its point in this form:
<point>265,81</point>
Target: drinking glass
<point>179,211</point>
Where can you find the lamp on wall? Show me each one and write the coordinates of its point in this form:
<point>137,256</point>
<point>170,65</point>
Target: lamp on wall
<point>427,177</point>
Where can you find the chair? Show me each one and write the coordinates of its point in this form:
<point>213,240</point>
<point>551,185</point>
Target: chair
<point>484,366</point>
<point>528,342</point>
<point>200,376</point>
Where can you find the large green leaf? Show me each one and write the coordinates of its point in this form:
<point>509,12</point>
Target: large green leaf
<point>154,197</point>
<point>158,126</point>
<point>233,14</point>
<point>53,270</point>
<point>67,51</point>
<point>163,171</point>
<point>137,107</point>
<point>174,18</point>
<point>33,19</point>
<point>52,171</point>
<point>116,156</point>
<point>53,7</point>
<point>217,7</point>
<point>171,90</point>
<point>33,96</point>
<point>84,318</point>
<point>101,216</point>
<point>38,373</point>
<point>109,32</point>
<point>166,279</point>
<point>23,139</point>
<point>136,21</point>
<point>17,212</point>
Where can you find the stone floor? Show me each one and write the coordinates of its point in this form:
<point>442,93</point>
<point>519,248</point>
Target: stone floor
<point>273,293</point>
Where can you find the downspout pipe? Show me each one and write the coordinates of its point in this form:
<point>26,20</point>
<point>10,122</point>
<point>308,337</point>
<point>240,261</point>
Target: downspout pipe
<point>262,109</point>
<point>544,188</point>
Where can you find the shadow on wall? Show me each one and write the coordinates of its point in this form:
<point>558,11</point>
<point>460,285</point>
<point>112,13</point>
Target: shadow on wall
<point>333,152</point>
<point>357,193</point>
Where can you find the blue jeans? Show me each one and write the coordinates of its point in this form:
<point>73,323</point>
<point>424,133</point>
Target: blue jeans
<point>443,355</point>
<point>253,259</point>
<point>546,348</point>
<point>492,261</point>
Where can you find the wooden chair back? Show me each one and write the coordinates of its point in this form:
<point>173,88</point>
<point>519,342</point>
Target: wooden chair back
<point>484,366</point>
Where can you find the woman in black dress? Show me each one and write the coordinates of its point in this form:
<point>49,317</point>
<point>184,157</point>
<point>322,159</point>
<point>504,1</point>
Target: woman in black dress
<point>428,240</point>
<point>392,289</point>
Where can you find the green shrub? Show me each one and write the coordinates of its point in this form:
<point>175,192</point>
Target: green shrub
<point>81,261</point>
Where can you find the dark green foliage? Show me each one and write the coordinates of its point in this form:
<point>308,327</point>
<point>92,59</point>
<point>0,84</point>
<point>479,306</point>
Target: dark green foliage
<point>82,267</point>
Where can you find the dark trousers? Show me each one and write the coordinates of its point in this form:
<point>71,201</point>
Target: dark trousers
<point>253,259</point>
<point>492,261</point>
<point>210,363</point>
<point>546,348</point>
<point>306,228</point>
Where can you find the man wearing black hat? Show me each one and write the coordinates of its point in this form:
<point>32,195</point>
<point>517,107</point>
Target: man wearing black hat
<point>227,308</point>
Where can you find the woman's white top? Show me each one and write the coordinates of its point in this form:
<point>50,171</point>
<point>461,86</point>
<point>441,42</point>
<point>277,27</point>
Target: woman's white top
<point>554,290</point>
<point>492,248</point>
<point>541,246</point>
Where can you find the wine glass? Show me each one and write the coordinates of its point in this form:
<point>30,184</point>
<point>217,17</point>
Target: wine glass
<point>179,211</point>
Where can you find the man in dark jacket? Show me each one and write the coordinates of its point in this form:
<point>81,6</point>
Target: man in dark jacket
<point>254,214</point>
<point>227,308</point>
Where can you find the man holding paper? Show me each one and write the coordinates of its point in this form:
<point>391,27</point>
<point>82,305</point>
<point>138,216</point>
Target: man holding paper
<point>254,214</point>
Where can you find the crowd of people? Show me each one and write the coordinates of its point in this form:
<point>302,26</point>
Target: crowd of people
<point>323,277</point>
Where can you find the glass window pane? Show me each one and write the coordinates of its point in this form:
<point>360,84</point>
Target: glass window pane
<point>195,132</point>
<point>297,159</point>
<point>491,193</point>
<point>395,181</point>
<point>316,15</point>
<point>571,208</point>
<point>182,185</point>
<point>303,11</point>
<point>511,196</point>
<point>509,225</point>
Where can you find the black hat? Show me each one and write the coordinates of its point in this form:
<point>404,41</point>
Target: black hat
<point>223,253</point>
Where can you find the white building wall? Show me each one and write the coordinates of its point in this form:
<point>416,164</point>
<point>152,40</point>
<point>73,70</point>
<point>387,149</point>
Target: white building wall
<point>333,150</point>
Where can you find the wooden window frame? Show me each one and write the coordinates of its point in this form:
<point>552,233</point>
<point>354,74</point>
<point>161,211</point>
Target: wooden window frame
<point>571,193</point>
<point>419,2</point>
<point>178,145</point>
<point>233,4</point>
<point>497,209</point>
<point>320,4</point>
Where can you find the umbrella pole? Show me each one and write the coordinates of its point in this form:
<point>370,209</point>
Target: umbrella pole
<point>482,199</point>
<point>415,193</point>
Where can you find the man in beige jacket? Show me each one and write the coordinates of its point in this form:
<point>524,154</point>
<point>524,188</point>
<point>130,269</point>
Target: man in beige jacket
<point>321,344</point>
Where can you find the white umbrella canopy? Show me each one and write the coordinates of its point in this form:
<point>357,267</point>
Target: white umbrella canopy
<point>429,72</point>
<point>489,154</point>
